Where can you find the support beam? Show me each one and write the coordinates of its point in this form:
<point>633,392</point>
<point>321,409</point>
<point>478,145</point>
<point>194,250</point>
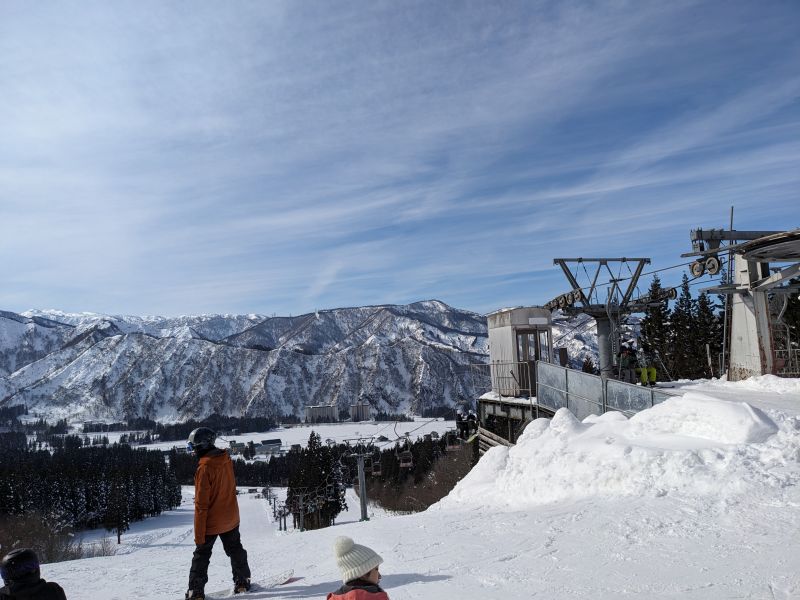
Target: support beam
<point>712,238</point>
<point>634,280</point>
<point>776,279</point>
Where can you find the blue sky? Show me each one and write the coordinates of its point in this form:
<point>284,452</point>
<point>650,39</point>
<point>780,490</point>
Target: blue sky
<point>280,157</point>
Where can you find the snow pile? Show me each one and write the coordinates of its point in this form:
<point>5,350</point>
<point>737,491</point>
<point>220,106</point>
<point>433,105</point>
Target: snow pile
<point>761,383</point>
<point>687,446</point>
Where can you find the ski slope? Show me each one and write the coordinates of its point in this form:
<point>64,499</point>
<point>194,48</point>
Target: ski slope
<point>698,497</point>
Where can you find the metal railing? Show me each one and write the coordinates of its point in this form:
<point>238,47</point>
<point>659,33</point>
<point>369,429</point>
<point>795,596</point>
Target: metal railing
<point>788,362</point>
<point>510,378</point>
<point>480,379</point>
<point>584,394</point>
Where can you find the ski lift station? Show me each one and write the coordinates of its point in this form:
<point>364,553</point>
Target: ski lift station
<point>529,379</point>
<point>763,269</point>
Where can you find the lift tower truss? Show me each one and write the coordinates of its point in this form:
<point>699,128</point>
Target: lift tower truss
<point>605,311</point>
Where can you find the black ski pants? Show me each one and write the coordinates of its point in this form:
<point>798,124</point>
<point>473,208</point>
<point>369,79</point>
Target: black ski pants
<point>232,544</point>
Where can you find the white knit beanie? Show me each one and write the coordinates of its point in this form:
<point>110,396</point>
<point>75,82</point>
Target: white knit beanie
<point>354,560</point>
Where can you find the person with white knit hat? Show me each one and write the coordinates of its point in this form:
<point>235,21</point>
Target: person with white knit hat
<point>360,574</point>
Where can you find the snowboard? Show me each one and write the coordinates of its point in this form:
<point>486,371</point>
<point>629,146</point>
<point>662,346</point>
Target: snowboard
<point>261,585</point>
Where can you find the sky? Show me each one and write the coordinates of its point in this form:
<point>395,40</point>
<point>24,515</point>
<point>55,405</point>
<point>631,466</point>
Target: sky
<point>278,157</point>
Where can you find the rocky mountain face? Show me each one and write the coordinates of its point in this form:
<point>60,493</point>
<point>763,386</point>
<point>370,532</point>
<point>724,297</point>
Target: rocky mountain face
<point>85,366</point>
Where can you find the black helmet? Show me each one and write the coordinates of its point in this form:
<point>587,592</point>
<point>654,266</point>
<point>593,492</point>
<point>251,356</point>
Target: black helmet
<point>19,563</point>
<point>201,439</point>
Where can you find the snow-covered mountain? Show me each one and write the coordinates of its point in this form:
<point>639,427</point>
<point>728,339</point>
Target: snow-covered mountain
<point>88,366</point>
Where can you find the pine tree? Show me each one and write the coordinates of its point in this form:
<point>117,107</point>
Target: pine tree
<point>683,347</point>
<point>708,330</point>
<point>314,487</point>
<point>656,325</point>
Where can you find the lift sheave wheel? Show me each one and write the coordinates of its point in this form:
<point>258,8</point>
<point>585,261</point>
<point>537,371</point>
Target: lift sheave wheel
<point>712,265</point>
<point>697,268</point>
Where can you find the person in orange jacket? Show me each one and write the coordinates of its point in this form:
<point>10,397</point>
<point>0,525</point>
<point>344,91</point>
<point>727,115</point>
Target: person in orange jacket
<point>216,514</point>
<point>360,572</point>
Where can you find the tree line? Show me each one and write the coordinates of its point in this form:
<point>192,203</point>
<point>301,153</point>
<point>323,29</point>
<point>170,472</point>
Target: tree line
<point>75,487</point>
<point>683,336</point>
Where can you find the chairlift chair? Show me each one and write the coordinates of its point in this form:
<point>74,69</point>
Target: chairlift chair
<point>406,459</point>
<point>453,442</point>
<point>376,463</point>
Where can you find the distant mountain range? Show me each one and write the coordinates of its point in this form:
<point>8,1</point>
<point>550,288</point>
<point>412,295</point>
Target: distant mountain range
<point>399,358</point>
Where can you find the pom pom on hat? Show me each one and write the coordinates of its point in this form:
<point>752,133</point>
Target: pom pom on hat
<point>354,560</point>
<point>342,545</point>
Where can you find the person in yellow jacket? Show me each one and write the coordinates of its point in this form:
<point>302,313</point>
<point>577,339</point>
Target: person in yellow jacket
<point>216,514</point>
<point>646,368</point>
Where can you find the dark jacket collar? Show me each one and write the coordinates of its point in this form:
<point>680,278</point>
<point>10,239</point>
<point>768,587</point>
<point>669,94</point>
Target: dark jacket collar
<point>211,453</point>
<point>359,584</point>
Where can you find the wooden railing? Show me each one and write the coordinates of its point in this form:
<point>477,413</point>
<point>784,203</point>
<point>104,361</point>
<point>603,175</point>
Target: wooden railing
<point>487,440</point>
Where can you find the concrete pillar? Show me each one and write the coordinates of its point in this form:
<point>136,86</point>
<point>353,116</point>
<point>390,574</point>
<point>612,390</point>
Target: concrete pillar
<point>751,348</point>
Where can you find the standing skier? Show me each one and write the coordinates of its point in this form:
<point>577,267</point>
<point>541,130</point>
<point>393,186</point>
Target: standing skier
<point>647,368</point>
<point>20,572</point>
<point>216,513</point>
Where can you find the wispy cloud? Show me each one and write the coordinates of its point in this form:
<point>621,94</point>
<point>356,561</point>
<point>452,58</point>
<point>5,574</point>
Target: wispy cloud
<point>285,156</point>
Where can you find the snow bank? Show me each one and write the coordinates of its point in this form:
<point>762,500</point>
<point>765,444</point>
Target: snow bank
<point>688,446</point>
<point>761,383</point>
<point>697,417</point>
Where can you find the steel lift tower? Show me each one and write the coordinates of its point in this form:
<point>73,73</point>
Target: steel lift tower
<point>759,340</point>
<point>605,311</point>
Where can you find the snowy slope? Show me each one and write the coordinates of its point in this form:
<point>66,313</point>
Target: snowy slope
<point>696,498</point>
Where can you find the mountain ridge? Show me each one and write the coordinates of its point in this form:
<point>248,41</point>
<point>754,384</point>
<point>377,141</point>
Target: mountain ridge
<point>399,358</point>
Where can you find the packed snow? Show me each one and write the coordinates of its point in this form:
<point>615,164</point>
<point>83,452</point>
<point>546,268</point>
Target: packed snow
<point>697,497</point>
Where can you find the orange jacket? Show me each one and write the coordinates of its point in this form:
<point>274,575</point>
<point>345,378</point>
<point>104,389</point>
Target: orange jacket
<point>359,594</point>
<point>215,507</point>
